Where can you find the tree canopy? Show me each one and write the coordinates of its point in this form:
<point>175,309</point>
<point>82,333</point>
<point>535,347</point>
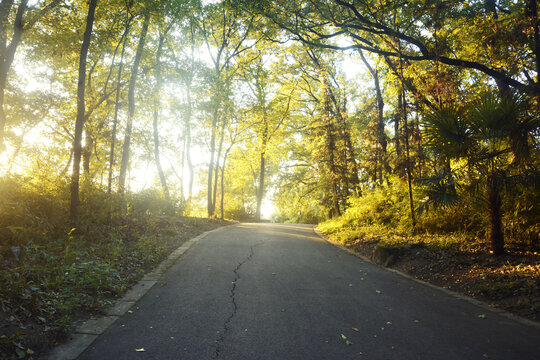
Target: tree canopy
<point>306,105</point>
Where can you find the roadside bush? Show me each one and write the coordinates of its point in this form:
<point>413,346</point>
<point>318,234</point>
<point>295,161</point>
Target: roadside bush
<point>152,202</point>
<point>50,272</point>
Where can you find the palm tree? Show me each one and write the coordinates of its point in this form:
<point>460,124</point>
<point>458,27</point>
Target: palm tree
<point>491,135</point>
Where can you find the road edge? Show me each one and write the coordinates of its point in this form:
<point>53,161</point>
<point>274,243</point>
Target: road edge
<point>469,299</point>
<point>84,335</point>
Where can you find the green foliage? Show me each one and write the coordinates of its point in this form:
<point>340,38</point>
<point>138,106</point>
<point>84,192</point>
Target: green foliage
<point>49,271</point>
<point>381,210</point>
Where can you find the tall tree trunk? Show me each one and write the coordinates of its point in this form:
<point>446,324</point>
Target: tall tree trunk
<point>221,210</point>
<point>408,163</point>
<point>210,205</point>
<point>216,172</point>
<point>131,105</point>
<point>79,123</point>
<point>223,181</point>
<point>7,53</point>
<point>331,149</point>
<point>116,109</point>
<point>380,134</point>
<point>264,144</point>
<point>189,114</point>
<point>495,218</point>
<point>157,105</point>
<point>260,191</point>
<point>188,146</point>
<point>397,138</point>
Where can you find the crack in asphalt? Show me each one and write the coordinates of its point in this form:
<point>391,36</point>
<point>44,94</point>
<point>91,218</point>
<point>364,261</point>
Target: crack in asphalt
<point>219,341</point>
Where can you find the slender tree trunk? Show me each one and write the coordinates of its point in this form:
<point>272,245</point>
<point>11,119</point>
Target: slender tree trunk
<point>131,105</point>
<point>188,145</point>
<point>189,114</point>
<point>260,192</point>
<point>331,148</point>
<point>222,211</point>
<point>7,53</point>
<point>216,172</point>
<point>262,170</point>
<point>116,109</point>
<point>350,176</point>
<point>408,163</point>
<point>495,218</point>
<point>210,205</point>
<point>397,138</point>
<point>381,135</point>
<point>156,118</point>
<point>223,182</point>
<point>79,123</point>
<point>115,121</point>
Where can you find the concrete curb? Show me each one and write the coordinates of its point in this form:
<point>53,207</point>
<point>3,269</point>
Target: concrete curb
<point>471,300</point>
<point>85,334</point>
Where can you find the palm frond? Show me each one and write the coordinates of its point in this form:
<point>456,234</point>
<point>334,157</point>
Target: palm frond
<point>439,191</point>
<point>447,132</point>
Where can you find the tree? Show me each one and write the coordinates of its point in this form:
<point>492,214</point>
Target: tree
<point>225,32</point>
<point>7,51</point>
<point>79,123</point>
<point>444,33</point>
<point>492,135</point>
<point>157,106</point>
<point>379,129</point>
<point>131,103</point>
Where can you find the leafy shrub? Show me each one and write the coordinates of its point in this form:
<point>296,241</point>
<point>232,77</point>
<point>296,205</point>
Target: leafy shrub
<point>151,202</point>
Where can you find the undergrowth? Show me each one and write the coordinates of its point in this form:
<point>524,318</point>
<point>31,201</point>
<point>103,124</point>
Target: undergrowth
<point>449,246</point>
<point>50,272</point>
<point>383,214</point>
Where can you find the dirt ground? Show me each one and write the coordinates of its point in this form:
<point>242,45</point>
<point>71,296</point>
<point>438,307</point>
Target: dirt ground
<point>510,282</point>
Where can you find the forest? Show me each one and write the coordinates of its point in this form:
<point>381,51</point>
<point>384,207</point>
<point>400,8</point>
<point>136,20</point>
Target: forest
<point>125,122</point>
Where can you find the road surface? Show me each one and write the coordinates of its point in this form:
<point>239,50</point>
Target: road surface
<point>274,291</point>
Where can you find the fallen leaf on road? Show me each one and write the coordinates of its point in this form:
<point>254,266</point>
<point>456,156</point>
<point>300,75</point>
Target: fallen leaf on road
<point>350,284</point>
<point>378,291</point>
<point>388,323</point>
<point>416,321</point>
<point>140,350</point>
<point>343,337</point>
<point>349,342</point>
<point>482,316</point>
<point>355,329</point>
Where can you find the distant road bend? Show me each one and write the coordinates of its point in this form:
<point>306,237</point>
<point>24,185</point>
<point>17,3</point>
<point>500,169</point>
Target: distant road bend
<point>276,291</point>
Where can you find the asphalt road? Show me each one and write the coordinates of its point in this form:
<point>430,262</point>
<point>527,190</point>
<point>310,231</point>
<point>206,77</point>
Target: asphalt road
<point>272,291</point>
